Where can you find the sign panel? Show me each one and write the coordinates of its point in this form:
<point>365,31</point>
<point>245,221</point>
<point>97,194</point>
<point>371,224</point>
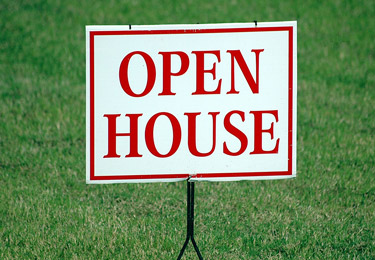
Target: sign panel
<point>213,102</point>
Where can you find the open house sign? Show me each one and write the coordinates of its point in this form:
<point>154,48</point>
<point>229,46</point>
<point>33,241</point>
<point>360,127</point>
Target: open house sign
<point>210,102</point>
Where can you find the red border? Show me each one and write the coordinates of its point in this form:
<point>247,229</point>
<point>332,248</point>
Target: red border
<point>185,175</point>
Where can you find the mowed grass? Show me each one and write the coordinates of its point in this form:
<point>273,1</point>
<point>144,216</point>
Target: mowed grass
<point>48,212</point>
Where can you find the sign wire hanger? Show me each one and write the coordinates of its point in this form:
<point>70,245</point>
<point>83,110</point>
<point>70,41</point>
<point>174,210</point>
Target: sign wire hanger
<point>190,221</point>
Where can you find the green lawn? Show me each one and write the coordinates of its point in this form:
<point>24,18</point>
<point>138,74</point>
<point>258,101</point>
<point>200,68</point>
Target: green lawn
<point>48,212</point>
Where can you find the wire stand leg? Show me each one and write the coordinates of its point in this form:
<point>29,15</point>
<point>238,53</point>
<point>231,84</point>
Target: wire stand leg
<point>190,222</point>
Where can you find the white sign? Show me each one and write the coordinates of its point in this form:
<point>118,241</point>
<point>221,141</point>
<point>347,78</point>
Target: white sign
<point>214,102</point>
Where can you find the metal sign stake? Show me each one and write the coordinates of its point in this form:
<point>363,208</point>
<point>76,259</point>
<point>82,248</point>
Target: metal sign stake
<point>190,221</point>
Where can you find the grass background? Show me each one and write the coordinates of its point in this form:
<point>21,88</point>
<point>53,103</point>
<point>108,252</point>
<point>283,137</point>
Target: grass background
<point>48,212</point>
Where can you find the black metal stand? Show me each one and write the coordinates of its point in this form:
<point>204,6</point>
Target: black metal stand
<point>190,221</point>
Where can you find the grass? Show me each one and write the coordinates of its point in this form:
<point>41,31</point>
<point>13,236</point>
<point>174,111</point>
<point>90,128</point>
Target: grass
<point>48,212</point>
